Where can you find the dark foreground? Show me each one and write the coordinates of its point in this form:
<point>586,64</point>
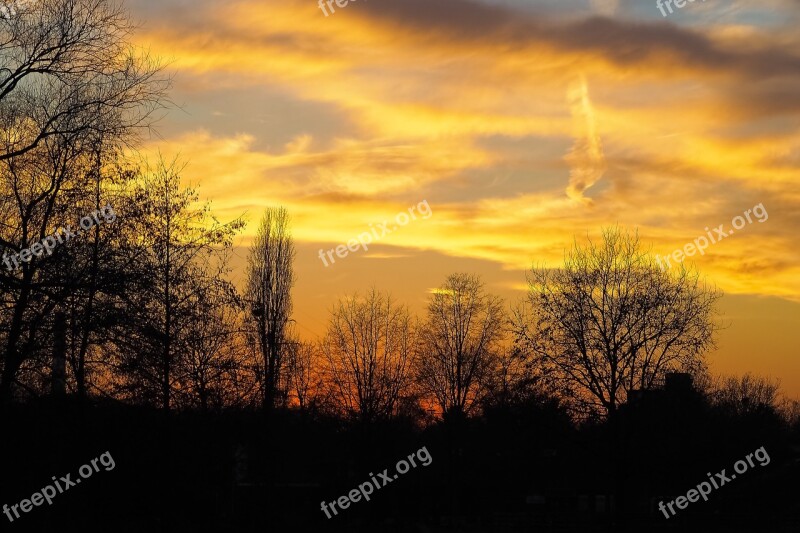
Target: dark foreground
<point>516,468</point>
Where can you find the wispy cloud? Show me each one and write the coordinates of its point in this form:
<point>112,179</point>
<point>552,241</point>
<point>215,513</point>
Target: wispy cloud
<point>585,159</point>
<point>666,126</point>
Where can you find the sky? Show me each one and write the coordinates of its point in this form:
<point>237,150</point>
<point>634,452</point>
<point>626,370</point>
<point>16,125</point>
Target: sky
<point>521,125</point>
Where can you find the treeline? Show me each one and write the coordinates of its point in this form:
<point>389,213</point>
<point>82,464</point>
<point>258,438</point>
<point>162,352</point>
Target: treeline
<point>141,309</point>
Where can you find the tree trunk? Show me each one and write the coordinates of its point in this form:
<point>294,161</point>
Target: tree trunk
<point>167,363</point>
<point>269,397</point>
<point>80,375</point>
<point>13,358</point>
<point>58,372</point>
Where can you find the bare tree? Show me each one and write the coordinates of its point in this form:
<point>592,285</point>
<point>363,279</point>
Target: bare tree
<point>611,320</point>
<point>458,342</point>
<point>269,285</point>
<point>41,191</point>
<point>69,71</point>
<point>72,89</point>
<point>789,410</point>
<point>214,371</point>
<point>746,394</point>
<point>302,371</point>
<point>368,349</point>
<point>172,247</point>
<point>517,380</point>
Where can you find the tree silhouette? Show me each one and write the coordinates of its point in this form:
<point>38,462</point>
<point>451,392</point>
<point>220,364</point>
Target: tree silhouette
<point>70,73</point>
<point>368,348</point>
<point>611,320</point>
<point>269,283</point>
<point>73,91</point>
<point>745,394</point>
<point>215,365</point>
<point>170,244</point>
<point>303,376</point>
<point>458,342</point>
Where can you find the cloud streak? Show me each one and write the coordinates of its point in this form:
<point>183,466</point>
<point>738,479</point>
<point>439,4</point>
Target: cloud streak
<point>392,101</point>
<point>585,159</point>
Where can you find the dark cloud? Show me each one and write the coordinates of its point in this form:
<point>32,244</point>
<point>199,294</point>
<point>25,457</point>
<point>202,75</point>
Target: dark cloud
<point>626,43</point>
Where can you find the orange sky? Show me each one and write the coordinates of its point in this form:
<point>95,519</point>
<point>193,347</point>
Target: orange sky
<point>521,123</point>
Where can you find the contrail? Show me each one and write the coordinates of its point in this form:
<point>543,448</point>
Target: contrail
<point>585,159</point>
